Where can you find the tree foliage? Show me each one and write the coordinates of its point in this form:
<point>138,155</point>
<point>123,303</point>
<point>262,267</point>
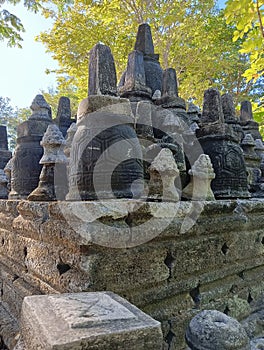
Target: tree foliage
<point>10,25</point>
<point>247,16</point>
<point>190,36</point>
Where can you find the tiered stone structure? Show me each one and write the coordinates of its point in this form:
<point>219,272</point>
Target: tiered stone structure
<point>170,258</point>
<point>25,165</point>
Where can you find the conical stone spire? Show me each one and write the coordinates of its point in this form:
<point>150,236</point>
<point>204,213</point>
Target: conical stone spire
<point>144,42</point>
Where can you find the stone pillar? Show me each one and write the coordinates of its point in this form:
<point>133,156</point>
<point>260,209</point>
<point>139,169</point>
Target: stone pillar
<point>102,321</point>
<point>202,173</point>
<point>220,141</point>
<point>247,122</point>
<point>213,330</point>
<point>53,178</point>
<point>63,118</point>
<point>26,168</point>
<point>5,154</point>
<point>102,72</point>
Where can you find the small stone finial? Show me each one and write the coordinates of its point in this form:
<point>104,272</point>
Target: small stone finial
<point>212,329</point>
<point>163,171</point>
<point>169,83</point>
<point>135,79</point>
<point>102,71</point>
<point>248,140</point>
<point>228,107</point>
<point>246,113</point>
<point>202,173</point>
<point>40,108</point>
<point>212,107</point>
<point>3,185</point>
<point>193,109</point>
<point>144,42</point>
<point>69,138</point>
<point>52,181</point>
<point>3,138</point>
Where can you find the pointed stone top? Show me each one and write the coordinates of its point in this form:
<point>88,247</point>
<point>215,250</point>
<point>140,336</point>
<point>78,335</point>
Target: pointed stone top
<point>246,111</point>
<point>64,109</point>
<point>102,71</point>
<point>52,136</point>
<point>144,42</point>
<point>212,107</point>
<point>192,108</point>
<point>259,145</point>
<point>228,107</point>
<point>203,167</point>
<point>40,108</point>
<point>164,162</point>
<point>248,140</point>
<point>169,84</point>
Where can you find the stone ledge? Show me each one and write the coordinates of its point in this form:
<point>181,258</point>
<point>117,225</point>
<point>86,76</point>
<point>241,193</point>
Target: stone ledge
<point>96,321</point>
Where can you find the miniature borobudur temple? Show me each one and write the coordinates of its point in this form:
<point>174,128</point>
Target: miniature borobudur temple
<point>143,196</point>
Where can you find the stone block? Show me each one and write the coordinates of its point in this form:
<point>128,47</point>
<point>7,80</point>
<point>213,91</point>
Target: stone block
<point>91,321</point>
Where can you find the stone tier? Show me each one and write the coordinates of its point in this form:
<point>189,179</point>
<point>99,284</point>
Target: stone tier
<point>184,262</point>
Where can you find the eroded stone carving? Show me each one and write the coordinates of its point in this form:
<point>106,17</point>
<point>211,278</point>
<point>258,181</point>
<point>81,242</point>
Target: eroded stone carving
<point>26,168</point>
<point>202,173</point>
<point>63,118</point>
<point>163,171</point>
<point>53,180</point>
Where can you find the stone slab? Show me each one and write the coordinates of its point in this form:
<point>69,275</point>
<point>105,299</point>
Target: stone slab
<point>95,321</point>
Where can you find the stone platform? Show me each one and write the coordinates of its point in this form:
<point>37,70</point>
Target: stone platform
<point>169,259</point>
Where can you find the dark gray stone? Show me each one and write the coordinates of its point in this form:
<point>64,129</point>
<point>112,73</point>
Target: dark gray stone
<point>106,157</point>
<point>169,84</point>
<point>212,107</point>
<point>3,185</point>
<point>228,107</point>
<point>135,79</point>
<point>63,118</point>
<point>25,167</point>
<point>5,154</point>
<point>144,42</point>
<point>102,72</point>
<point>53,178</point>
<point>221,142</point>
<point>246,111</point>
<point>213,330</point>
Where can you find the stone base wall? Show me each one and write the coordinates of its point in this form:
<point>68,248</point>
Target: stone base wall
<point>217,264</point>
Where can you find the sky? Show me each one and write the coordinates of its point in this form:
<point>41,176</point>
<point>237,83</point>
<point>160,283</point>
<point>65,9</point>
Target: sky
<point>22,71</point>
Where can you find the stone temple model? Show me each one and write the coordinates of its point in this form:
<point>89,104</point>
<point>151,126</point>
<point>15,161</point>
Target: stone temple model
<point>141,198</point>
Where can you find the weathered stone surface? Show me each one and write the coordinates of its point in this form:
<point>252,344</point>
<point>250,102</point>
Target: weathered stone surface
<point>144,42</point>
<point>26,168</point>
<point>163,171</point>
<point>211,330</point>
<point>87,320</point>
<point>102,72</point>
<point>106,157</point>
<point>63,118</point>
<point>169,84</point>
<point>5,154</point>
<point>202,173</point>
<point>246,111</point>
<point>53,177</point>
<point>212,107</point>
<point>135,78</point>
<point>228,107</point>
<point>40,108</point>
<point>3,185</point>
